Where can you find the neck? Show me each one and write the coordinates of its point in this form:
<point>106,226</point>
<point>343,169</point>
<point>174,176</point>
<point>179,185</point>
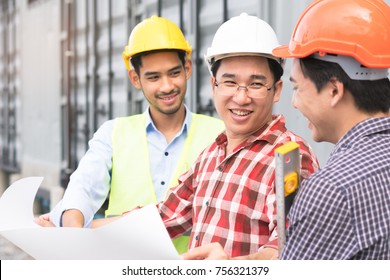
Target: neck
<point>169,124</point>
<point>233,141</point>
<point>236,139</point>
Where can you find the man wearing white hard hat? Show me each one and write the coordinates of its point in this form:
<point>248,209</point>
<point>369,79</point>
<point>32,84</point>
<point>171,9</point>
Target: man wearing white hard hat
<point>240,217</point>
<point>341,56</point>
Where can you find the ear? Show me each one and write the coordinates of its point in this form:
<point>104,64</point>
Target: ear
<point>277,90</point>
<point>336,92</point>
<point>212,82</point>
<point>188,68</point>
<point>134,79</point>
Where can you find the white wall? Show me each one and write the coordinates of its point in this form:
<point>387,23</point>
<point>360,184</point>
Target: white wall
<point>40,91</point>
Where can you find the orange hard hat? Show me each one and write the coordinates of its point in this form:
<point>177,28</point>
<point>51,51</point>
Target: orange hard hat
<point>356,28</point>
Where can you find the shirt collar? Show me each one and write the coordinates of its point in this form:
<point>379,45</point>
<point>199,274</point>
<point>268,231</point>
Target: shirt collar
<point>362,129</point>
<point>149,125</point>
<point>269,133</point>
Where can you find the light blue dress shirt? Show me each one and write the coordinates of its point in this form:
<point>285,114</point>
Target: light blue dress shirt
<point>90,183</point>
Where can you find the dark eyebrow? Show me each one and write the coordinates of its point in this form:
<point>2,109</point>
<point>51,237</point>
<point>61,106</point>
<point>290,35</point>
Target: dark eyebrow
<point>252,77</point>
<point>227,75</point>
<point>179,67</point>
<point>150,73</point>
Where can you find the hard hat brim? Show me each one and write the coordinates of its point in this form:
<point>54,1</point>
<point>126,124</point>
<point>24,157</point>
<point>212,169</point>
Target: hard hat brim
<point>283,52</point>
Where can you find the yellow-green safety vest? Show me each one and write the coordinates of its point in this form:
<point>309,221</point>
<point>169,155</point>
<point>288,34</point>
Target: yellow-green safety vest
<point>131,181</point>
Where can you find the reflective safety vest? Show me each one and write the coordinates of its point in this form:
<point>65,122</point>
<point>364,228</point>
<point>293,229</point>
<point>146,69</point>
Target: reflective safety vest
<point>131,181</point>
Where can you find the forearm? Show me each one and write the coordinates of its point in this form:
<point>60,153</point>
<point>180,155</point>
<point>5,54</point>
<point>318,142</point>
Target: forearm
<point>89,184</point>
<point>177,222</point>
<point>101,222</point>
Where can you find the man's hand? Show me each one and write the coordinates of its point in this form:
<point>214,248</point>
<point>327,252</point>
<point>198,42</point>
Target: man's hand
<point>70,218</point>
<point>268,253</point>
<point>44,220</point>
<point>212,251</point>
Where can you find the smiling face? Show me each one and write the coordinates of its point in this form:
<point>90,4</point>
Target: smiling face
<point>163,80</point>
<point>242,114</point>
<point>314,105</point>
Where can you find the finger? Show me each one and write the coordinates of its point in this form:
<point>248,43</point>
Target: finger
<point>212,251</point>
<point>45,217</point>
<point>43,222</point>
<point>198,253</point>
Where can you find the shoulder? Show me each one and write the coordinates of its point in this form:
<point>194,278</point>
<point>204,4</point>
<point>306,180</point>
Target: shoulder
<point>309,161</point>
<point>304,146</point>
<point>204,120</point>
<point>132,120</point>
<point>106,127</point>
<point>320,192</point>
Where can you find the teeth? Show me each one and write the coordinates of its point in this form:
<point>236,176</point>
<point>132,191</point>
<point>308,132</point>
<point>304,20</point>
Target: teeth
<point>240,113</point>
<point>168,98</point>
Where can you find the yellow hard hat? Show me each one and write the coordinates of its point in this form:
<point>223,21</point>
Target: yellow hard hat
<point>155,33</point>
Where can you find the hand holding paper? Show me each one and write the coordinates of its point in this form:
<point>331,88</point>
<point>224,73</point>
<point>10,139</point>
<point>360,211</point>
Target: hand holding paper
<point>139,235</point>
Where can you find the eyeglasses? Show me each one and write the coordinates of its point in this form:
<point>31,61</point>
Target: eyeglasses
<point>253,90</point>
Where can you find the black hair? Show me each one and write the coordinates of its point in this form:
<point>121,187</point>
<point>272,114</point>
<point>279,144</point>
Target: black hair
<point>275,67</point>
<point>136,60</point>
<point>369,96</point>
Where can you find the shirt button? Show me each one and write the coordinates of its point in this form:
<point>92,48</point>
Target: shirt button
<point>197,237</point>
<point>220,168</point>
<point>162,183</point>
<point>207,203</point>
<point>166,153</point>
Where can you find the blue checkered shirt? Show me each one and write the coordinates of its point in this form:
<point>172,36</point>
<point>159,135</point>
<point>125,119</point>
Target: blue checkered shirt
<point>343,210</point>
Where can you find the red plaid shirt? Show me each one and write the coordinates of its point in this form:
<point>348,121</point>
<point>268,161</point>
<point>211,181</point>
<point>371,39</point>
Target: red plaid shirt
<point>231,199</point>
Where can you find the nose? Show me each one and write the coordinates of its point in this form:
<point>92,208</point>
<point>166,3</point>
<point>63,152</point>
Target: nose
<point>166,84</point>
<point>293,101</point>
<point>241,96</point>
<point>242,87</point>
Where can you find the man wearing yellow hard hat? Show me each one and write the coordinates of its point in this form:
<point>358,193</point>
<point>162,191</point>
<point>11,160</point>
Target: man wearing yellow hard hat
<point>136,159</point>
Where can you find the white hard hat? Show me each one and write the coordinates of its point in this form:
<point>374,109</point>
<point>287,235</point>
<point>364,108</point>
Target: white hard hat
<point>243,35</point>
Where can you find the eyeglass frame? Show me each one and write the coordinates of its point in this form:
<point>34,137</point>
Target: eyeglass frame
<point>247,88</point>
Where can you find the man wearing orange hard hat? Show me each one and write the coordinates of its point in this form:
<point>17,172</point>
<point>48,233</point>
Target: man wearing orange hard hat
<point>341,56</point>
